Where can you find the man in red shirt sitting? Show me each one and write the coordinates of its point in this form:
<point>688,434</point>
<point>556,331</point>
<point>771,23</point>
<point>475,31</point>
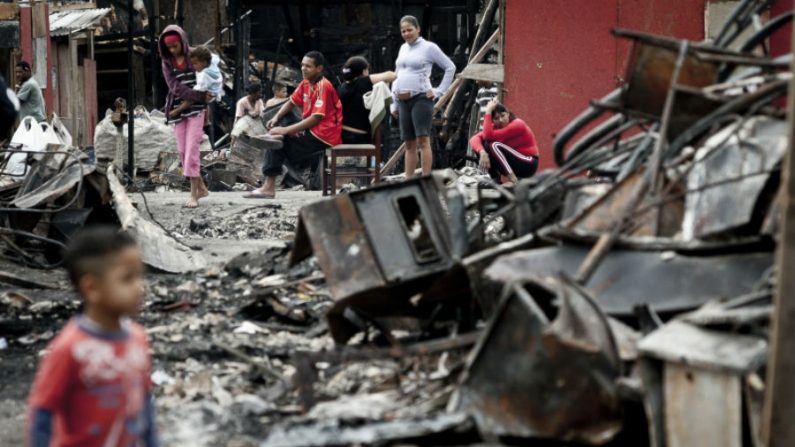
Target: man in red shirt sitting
<point>320,128</point>
<point>507,146</point>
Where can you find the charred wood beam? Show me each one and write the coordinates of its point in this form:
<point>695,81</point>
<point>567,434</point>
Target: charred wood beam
<point>153,65</point>
<point>462,128</point>
<point>130,94</point>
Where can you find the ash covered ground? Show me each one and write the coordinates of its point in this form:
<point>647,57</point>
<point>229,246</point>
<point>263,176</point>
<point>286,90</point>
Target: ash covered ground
<point>226,340</point>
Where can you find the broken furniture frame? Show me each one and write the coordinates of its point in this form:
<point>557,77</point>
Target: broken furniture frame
<point>529,377</point>
<point>380,246</point>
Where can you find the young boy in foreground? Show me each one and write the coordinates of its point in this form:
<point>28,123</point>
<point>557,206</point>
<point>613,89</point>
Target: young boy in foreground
<point>92,387</point>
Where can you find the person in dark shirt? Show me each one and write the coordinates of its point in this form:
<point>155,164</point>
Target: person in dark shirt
<point>358,81</point>
<point>9,109</point>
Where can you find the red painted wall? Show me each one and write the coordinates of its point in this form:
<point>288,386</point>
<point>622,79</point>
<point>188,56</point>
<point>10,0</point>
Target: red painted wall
<point>560,54</point>
<point>781,42</point>
<point>25,32</point>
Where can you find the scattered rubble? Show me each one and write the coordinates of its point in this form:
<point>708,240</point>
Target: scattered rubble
<point>261,222</point>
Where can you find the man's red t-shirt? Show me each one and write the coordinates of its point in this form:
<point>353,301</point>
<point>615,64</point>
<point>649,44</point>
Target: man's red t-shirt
<point>95,386</point>
<point>321,99</point>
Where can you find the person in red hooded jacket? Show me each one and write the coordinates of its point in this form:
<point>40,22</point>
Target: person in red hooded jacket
<point>180,76</point>
<point>507,147</point>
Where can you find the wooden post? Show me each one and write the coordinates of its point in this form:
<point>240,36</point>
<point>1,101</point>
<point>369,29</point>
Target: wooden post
<point>75,80</point>
<point>777,427</point>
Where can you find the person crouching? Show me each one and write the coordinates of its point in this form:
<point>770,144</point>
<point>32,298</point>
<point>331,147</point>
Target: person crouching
<point>507,147</point>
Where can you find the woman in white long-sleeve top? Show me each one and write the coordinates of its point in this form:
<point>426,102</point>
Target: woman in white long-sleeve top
<point>414,94</point>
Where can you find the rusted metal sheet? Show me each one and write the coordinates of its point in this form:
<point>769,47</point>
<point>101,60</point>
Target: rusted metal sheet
<point>378,248</point>
<point>702,408</point>
<point>42,184</point>
<point>407,228</point>
<point>600,216</point>
<point>391,234</point>
<point>333,231</point>
<point>729,176</point>
<point>527,376</point>
<point>705,349</point>
<point>627,278</point>
<point>64,22</point>
<point>650,74</point>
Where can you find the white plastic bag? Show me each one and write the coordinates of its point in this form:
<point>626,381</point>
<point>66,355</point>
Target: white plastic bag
<point>50,137</point>
<point>61,130</point>
<point>29,137</point>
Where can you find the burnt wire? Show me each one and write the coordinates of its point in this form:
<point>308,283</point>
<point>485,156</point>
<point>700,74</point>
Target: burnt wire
<point>140,191</point>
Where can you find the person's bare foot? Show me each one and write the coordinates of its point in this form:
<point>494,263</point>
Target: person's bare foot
<point>203,192</point>
<point>192,202</point>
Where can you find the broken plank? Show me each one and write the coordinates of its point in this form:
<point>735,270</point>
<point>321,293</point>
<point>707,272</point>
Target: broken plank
<point>484,72</point>
<point>9,11</point>
<point>159,250</point>
<point>16,280</point>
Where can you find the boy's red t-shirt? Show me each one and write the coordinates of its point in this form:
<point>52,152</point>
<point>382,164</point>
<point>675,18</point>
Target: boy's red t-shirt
<point>95,385</point>
<point>321,99</point>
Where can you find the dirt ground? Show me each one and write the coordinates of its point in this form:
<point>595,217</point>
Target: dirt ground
<point>225,226</point>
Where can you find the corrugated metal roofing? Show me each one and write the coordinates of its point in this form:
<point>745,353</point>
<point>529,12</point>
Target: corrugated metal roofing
<point>64,22</point>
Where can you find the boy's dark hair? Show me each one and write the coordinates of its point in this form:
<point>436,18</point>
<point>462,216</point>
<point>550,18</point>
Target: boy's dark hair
<point>276,86</point>
<point>354,68</point>
<point>201,53</point>
<point>254,87</point>
<point>24,65</point>
<point>88,251</point>
<point>317,56</point>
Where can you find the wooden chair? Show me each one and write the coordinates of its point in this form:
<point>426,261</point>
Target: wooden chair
<point>371,152</point>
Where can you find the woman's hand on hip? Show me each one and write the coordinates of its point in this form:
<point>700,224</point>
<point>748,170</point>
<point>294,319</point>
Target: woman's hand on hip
<point>430,94</point>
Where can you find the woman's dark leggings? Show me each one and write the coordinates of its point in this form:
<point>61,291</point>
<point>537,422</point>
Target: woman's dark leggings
<point>506,160</point>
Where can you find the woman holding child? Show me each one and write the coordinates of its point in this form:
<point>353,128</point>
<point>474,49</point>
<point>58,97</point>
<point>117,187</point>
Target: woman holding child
<point>180,76</point>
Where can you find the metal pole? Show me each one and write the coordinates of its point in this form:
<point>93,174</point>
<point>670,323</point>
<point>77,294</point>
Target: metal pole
<point>180,13</point>
<point>130,93</point>
<point>777,427</point>
<point>153,49</point>
<point>238,85</point>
